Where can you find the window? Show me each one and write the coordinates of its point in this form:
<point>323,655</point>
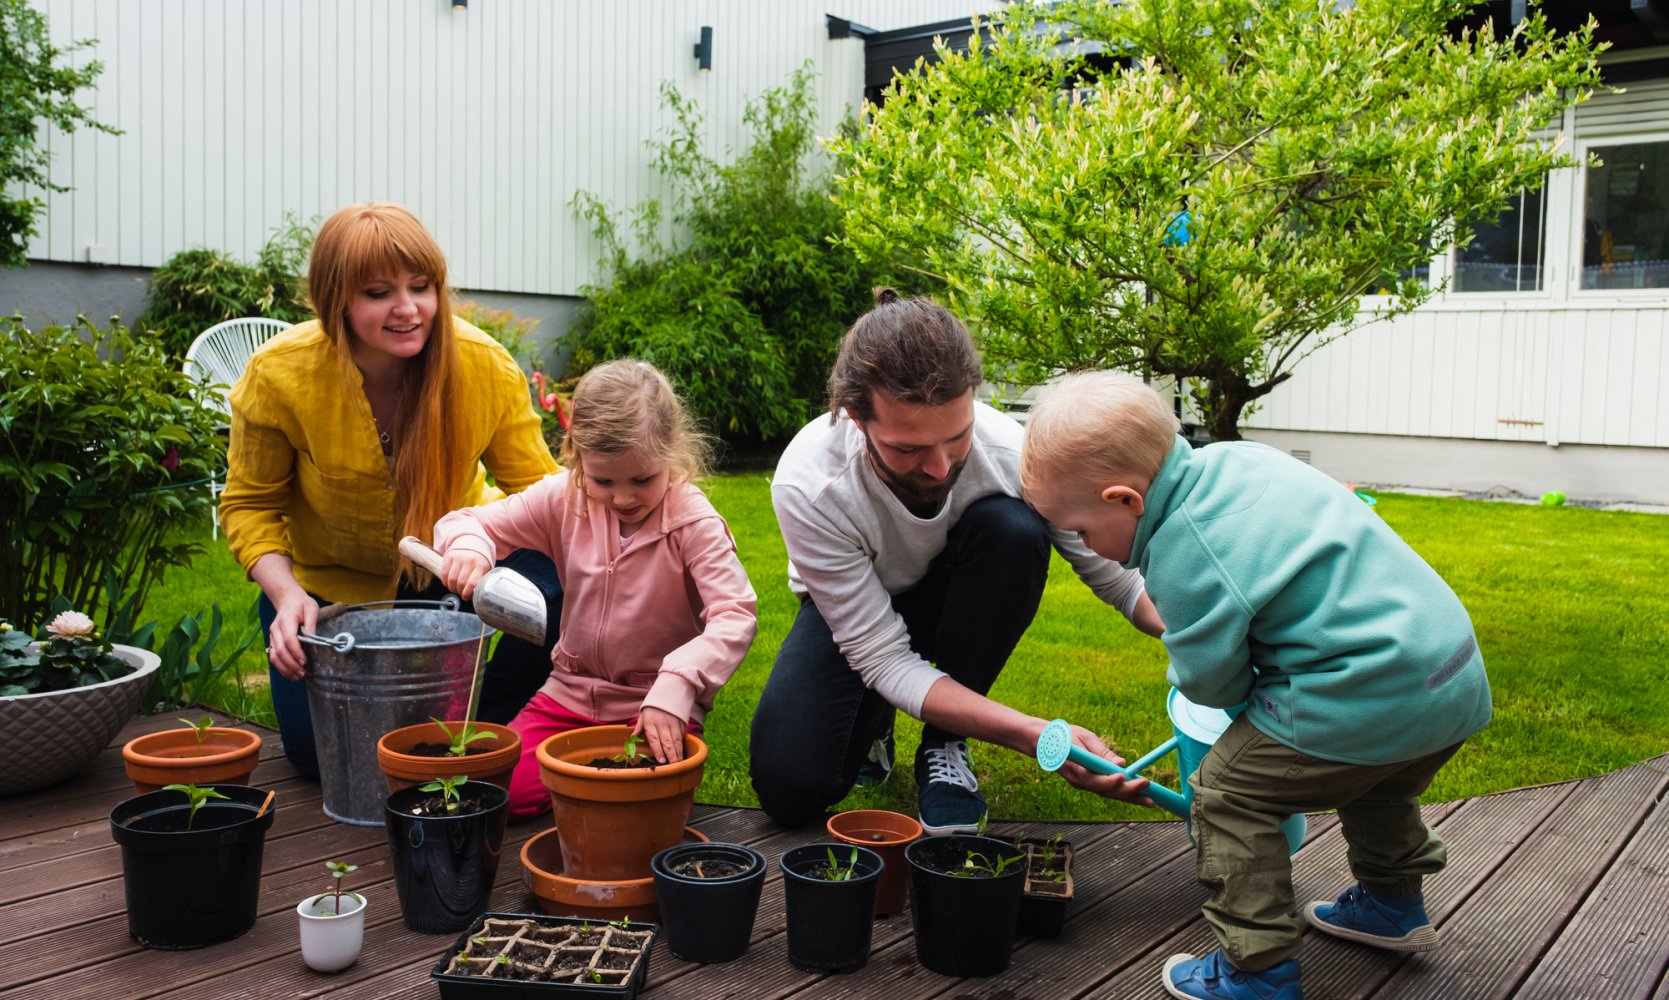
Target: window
<point>1625,217</point>
<point>1505,255</point>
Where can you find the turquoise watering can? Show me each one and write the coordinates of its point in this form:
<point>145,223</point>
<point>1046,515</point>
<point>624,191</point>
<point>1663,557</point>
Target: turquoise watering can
<point>1195,729</point>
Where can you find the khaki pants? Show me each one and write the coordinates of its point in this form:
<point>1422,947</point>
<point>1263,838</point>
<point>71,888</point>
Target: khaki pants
<point>1249,783</point>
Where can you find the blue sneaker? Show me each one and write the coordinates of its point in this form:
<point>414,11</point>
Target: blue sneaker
<point>947,793</point>
<point>877,767</point>
<point>1214,978</point>
<point>1361,916</point>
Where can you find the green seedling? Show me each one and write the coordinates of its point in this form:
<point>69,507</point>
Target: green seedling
<point>624,923</point>
<point>196,796</point>
<point>338,871</point>
<point>448,789</point>
<point>200,727</point>
<point>835,873</point>
<point>977,864</point>
<point>631,755</point>
<point>596,976</point>
<point>458,743</point>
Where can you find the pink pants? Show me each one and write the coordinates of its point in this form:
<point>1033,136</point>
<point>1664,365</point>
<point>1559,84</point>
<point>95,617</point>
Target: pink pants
<point>542,718</point>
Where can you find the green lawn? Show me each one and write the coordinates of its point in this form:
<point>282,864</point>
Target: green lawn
<point>1568,603</point>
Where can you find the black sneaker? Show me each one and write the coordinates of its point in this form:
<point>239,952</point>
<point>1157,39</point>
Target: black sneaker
<point>878,767</point>
<point>947,792</point>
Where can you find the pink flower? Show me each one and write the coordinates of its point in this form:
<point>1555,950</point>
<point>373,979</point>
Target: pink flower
<point>70,624</point>
<point>171,461</point>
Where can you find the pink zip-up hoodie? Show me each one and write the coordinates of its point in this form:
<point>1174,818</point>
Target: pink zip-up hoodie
<point>662,621</point>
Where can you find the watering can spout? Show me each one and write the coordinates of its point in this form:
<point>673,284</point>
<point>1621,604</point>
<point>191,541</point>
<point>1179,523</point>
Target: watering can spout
<point>1055,748</point>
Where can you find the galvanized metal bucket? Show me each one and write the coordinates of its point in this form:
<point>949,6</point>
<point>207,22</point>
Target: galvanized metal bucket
<point>390,664</point>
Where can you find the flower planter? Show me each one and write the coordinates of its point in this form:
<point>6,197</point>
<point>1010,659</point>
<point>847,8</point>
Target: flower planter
<point>47,737</point>
<point>829,922</point>
<point>545,958</point>
<point>1048,887</point>
<point>614,820</point>
<point>557,893</point>
<point>964,924</point>
<point>177,757</point>
<point>887,834</point>
<point>330,941</point>
<point>709,895</point>
<point>444,864</point>
<point>403,769</point>
<point>190,887</point>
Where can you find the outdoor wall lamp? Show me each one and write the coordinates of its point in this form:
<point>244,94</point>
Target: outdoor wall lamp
<point>460,4</point>
<point>704,50</point>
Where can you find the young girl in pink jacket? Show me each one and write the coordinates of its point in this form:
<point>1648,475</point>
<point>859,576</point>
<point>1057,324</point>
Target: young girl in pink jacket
<point>657,610</point>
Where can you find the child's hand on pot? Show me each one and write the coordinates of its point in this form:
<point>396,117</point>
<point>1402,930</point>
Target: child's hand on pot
<point>664,732</point>
<point>461,569</point>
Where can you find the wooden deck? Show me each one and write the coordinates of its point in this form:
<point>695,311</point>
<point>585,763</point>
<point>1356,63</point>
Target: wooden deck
<point>1557,891</point>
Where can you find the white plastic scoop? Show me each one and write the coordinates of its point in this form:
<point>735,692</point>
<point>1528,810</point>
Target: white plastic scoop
<point>504,598</point>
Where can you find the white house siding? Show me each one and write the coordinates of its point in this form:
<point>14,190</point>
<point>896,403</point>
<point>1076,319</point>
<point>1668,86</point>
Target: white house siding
<point>1565,371</point>
<point>485,121</point>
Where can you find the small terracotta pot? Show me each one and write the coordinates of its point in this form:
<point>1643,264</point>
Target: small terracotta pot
<point>225,756</point>
<point>887,834</point>
<point>403,770</point>
<point>614,820</point>
<point>542,872</point>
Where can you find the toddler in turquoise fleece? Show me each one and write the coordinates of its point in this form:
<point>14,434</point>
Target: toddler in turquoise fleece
<point>1281,590</point>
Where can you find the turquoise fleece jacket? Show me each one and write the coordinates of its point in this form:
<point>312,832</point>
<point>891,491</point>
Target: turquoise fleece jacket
<point>1280,588</point>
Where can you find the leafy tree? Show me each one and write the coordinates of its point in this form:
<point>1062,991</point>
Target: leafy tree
<point>33,88</point>
<point>1201,189</point>
<point>744,310</point>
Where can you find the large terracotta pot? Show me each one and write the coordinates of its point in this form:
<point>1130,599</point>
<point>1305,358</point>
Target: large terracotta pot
<point>887,834</point>
<point>224,756</point>
<point>614,820</point>
<point>46,737</point>
<point>403,769</point>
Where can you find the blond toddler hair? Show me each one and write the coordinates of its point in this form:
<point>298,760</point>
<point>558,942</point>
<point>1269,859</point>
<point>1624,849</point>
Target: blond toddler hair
<point>1101,426</point>
<point>626,404</point>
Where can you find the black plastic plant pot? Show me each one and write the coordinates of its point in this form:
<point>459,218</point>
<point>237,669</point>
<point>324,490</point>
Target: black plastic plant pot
<point>444,865</point>
<point>191,880</point>
<point>1049,888</point>
<point>829,921</point>
<point>538,956</point>
<point>708,894</point>
<point>964,923</point>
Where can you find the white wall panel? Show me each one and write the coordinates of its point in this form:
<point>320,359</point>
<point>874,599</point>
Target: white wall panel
<point>485,122</point>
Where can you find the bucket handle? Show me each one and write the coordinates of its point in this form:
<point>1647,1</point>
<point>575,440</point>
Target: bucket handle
<point>1055,747</point>
<point>343,642</point>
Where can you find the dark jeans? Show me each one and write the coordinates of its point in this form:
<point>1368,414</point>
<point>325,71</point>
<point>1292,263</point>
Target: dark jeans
<point>514,674</point>
<point>816,720</point>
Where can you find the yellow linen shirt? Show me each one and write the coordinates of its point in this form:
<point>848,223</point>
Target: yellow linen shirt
<point>307,476</point>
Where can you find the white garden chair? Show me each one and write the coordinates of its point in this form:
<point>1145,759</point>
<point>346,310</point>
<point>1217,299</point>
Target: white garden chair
<point>218,356</point>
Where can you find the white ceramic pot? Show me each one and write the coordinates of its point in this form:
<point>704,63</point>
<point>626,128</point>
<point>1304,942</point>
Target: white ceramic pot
<point>331,943</point>
<point>47,737</point>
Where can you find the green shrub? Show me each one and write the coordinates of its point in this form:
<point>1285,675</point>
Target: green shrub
<point>504,326</point>
<point>745,315</point>
<point>195,289</point>
<point>105,448</point>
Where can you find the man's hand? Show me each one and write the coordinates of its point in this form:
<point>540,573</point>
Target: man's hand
<point>1110,786</point>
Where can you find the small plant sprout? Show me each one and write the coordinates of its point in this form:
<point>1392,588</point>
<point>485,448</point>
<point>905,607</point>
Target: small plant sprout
<point>631,755</point>
<point>835,873</point>
<point>196,796</point>
<point>448,789</point>
<point>624,923</point>
<point>200,727</point>
<point>338,871</point>
<point>458,742</point>
<point>596,976</point>
<point>977,864</point>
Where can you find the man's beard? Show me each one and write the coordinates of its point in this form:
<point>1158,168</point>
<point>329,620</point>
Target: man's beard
<point>917,491</point>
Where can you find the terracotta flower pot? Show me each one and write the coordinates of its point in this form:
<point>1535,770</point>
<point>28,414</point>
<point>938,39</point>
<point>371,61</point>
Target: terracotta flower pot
<point>542,873</point>
<point>403,769</point>
<point>176,757</point>
<point>614,820</point>
<point>887,834</point>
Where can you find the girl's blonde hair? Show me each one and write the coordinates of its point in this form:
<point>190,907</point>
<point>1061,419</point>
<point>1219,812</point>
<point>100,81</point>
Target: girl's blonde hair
<point>356,246</point>
<point>625,405</point>
<point>1100,426</point>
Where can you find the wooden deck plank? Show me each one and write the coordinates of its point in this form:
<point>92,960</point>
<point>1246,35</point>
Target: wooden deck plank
<point>1617,943</point>
<point>1550,889</point>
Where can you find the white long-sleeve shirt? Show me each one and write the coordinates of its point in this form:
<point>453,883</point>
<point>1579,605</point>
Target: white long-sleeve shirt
<point>852,544</point>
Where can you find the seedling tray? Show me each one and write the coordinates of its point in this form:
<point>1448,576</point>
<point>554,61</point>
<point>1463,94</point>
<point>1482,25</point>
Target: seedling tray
<point>554,956</point>
<point>1043,902</point>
